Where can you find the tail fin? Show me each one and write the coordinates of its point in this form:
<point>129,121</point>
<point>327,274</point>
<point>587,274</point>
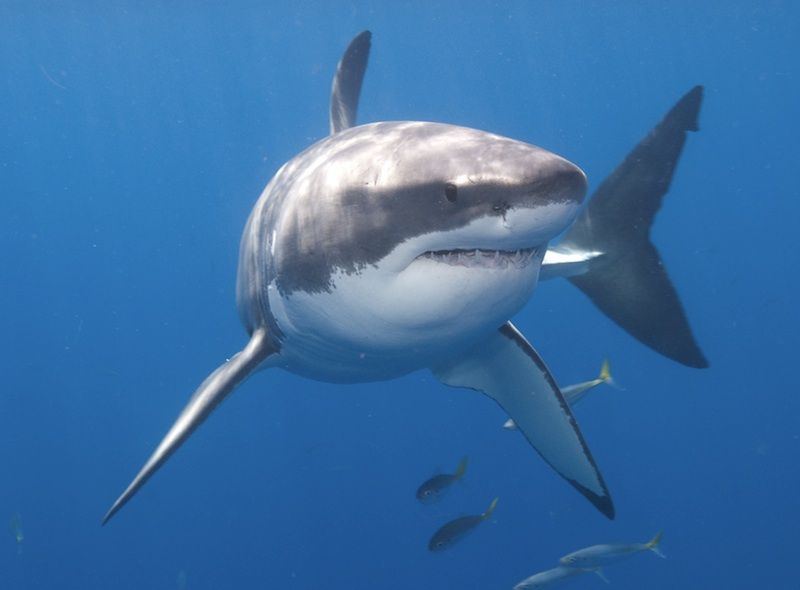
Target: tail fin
<point>490,510</point>
<point>605,372</point>
<point>653,543</point>
<point>461,469</point>
<point>605,375</point>
<point>629,282</point>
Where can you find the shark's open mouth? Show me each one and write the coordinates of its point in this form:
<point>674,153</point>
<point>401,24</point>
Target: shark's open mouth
<point>479,257</point>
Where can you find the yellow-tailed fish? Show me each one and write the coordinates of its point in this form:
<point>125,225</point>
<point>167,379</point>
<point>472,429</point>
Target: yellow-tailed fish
<point>457,529</point>
<point>576,392</point>
<point>433,489</point>
<point>600,555</point>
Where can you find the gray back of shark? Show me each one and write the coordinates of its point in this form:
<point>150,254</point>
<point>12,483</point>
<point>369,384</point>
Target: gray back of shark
<point>378,251</point>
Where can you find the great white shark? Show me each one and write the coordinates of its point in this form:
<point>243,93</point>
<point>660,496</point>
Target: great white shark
<point>392,247</point>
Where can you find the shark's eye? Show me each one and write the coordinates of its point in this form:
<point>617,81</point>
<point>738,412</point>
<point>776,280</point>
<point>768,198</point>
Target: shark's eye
<point>451,192</point>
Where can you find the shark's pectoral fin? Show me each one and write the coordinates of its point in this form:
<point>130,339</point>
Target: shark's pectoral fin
<point>507,368</point>
<point>205,399</point>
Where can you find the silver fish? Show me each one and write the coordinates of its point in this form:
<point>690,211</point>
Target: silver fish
<point>577,391</point>
<point>556,574</point>
<point>600,555</point>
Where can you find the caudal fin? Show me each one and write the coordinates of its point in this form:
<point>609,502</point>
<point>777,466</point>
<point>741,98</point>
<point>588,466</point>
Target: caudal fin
<point>605,375</point>
<point>653,544</point>
<point>628,282</point>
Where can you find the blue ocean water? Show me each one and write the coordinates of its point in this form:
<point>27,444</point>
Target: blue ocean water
<point>135,138</point>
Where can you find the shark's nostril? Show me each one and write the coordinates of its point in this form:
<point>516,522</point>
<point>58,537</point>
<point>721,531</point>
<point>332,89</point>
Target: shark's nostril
<point>501,209</point>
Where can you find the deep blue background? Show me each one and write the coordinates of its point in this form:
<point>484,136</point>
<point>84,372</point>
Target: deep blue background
<point>133,143</point>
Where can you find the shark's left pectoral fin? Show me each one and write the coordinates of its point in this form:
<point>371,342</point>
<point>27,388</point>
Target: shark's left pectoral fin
<point>508,369</point>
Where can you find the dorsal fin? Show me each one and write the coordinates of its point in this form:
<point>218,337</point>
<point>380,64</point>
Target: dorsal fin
<point>347,82</point>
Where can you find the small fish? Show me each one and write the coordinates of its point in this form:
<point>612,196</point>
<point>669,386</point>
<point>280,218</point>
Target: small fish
<point>433,489</point>
<point>556,574</point>
<point>455,530</point>
<point>576,392</point>
<point>599,555</point>
<point>16,529</point>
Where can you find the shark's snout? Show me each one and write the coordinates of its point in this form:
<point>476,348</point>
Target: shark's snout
<point>555,180</point>
<point>542,201</point>
<point>536,194</point>
<point>570,181</point>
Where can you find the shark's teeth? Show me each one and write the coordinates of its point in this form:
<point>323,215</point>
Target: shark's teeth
<point>478,257</point>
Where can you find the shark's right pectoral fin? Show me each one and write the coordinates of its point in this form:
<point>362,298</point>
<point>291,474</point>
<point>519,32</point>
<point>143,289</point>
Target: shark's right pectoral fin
<point>509,370</point>
<point>206,398</point>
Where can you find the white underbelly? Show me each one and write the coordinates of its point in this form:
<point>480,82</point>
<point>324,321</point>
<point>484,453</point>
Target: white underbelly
<point>377,325</point>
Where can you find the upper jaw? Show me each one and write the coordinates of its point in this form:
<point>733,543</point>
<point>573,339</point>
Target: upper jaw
<point>519,236</point>
<point>482,257</point>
